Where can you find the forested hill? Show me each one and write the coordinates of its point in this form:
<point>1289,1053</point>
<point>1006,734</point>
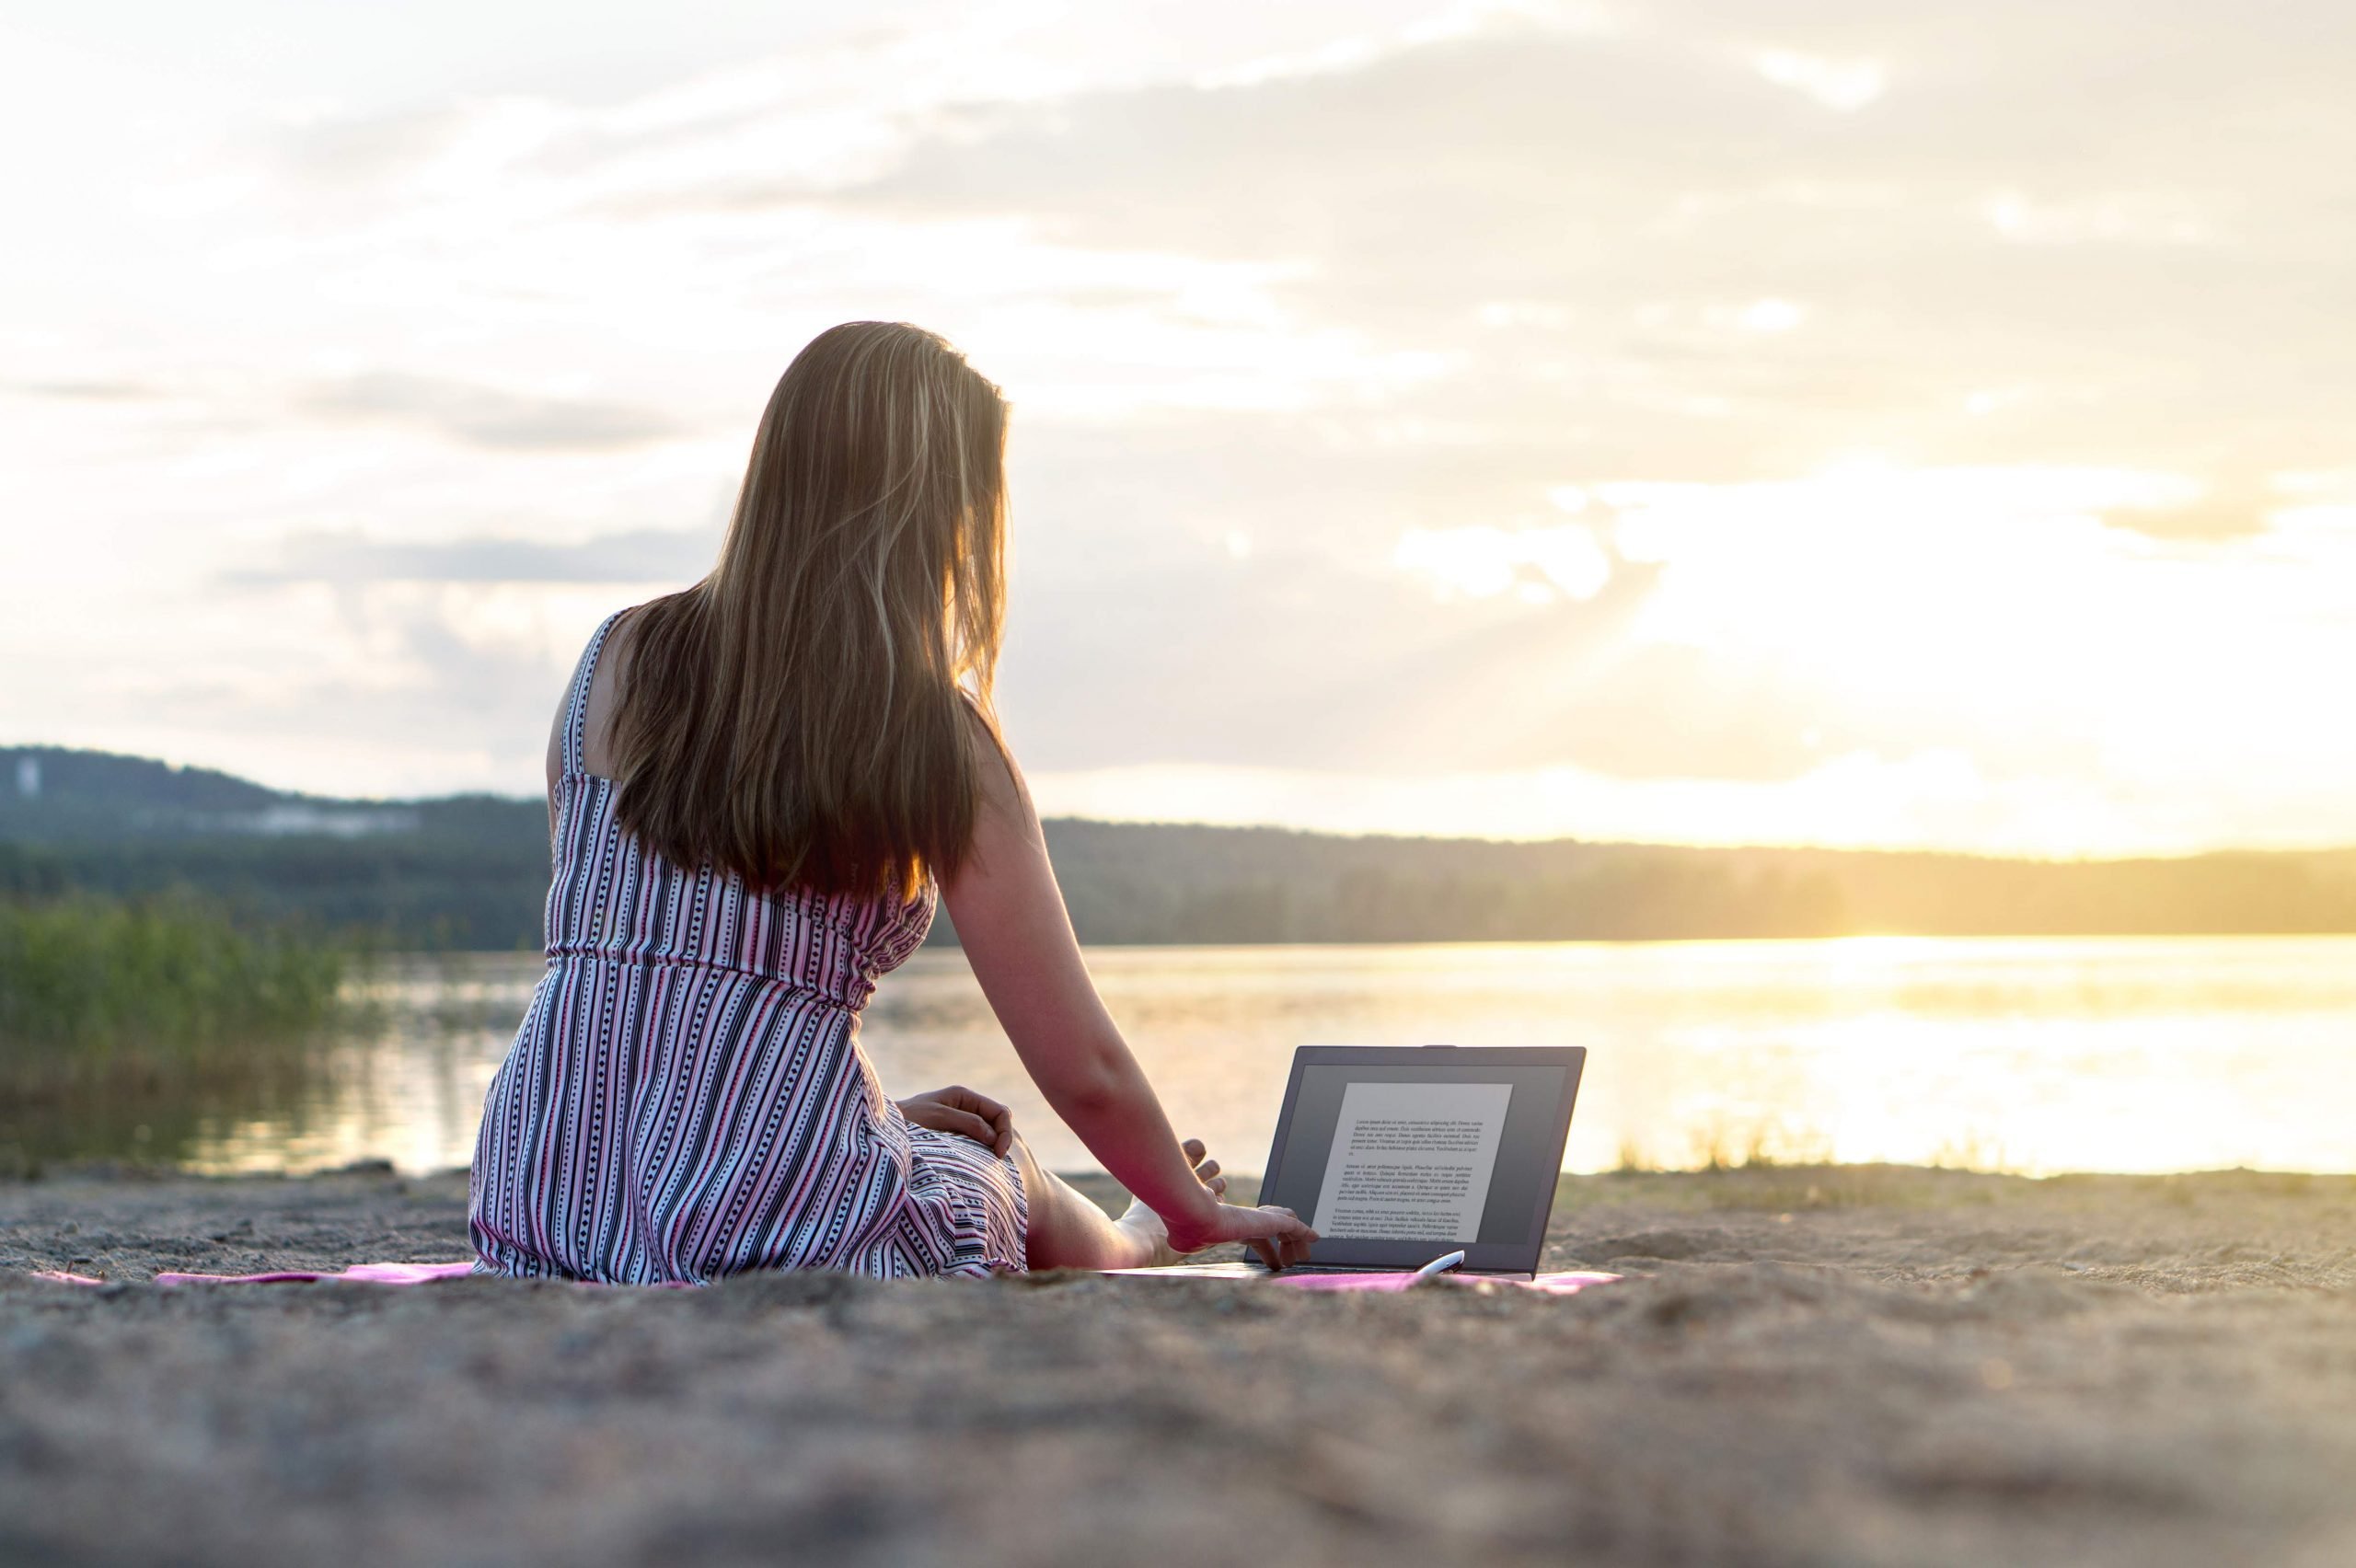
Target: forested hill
<point>470,872</point>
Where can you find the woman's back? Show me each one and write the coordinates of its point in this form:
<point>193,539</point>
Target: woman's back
<point>686,1098</point>
<point>836,945</point>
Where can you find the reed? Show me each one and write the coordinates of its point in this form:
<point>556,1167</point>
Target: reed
<point>93,991</point>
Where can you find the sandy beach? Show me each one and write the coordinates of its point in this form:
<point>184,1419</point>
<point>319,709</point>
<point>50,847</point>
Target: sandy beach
<point>1847,1366</point>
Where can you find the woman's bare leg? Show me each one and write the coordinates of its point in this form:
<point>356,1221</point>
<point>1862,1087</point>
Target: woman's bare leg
<point>1068,1231</point>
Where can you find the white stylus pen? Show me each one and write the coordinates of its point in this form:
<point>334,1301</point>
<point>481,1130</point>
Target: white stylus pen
<point>1441,1264</point>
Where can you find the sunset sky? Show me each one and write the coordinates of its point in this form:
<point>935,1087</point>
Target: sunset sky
<point>1840,422</point>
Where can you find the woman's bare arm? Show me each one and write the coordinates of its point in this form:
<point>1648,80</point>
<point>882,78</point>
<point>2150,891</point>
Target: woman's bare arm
<point>1017,935</point>
<point>606,689</point>
<point>556,755</point>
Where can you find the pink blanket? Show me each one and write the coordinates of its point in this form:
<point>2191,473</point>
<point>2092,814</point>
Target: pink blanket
<point>359,1273</point>
<point>425,1274</point>
<point>1568,1283</point>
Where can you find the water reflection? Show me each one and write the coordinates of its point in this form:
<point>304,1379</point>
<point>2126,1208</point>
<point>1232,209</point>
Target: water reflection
<point>407,1088</point>
<point>2035,1055</point>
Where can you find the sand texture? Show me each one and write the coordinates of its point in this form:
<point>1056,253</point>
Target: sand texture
<point>1844,1367</point>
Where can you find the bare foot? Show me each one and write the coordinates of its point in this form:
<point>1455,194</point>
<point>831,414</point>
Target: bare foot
<point>1148,1235</point>
<point>1152,1237</point>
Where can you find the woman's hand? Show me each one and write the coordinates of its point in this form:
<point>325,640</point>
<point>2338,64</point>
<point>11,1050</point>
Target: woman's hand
<point>961,1111</point>
<point>1278,1235</point>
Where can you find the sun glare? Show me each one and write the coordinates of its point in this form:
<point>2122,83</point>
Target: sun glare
<point>1481,560</point>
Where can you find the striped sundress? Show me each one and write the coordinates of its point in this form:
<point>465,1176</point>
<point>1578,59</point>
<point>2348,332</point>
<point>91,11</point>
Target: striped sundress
<point>687,1098</point>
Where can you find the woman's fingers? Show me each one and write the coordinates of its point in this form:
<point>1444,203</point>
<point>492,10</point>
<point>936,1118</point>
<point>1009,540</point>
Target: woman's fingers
<point>1207,1170</point>
<point>964,1124</point>
<point>1000,1119</point>
<point>1000,1122</point>
<point>1294,1238</point>
<point>1288,1224</point>
<point>981,1104</point>
<point>1274,1234</point>
<point>971,1100</point>
<point>1193,1150</point>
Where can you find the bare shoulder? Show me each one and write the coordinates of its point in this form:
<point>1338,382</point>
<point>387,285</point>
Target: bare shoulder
<point>607,684</point>
<point>999,777</point>
<point>621,641</point>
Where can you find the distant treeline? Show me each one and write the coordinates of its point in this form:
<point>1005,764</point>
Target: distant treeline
<point>471,871</point>
<point>1176,883</point>
<point>470,874</point>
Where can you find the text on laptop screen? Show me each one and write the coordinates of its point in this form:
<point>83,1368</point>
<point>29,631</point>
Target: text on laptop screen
<point>1413,1159</point>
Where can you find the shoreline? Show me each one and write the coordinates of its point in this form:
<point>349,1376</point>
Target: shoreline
<point>412,1210</point>
<point>1853,1365</point>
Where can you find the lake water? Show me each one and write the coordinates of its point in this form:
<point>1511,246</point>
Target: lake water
<point>2032,1054</point>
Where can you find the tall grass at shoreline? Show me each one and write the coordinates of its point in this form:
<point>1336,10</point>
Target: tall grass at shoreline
<point>95,992</point>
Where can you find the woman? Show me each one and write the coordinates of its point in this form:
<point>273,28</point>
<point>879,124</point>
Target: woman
<point>758,788</point>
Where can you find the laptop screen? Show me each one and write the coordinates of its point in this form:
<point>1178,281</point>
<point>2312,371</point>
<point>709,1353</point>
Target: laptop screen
<point>1398,1154</point>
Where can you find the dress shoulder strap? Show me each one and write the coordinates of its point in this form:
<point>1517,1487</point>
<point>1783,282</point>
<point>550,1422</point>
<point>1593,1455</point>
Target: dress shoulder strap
<point>576,707</point>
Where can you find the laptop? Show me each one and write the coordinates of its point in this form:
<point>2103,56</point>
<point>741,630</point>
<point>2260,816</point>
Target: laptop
<point>1412,1158</point>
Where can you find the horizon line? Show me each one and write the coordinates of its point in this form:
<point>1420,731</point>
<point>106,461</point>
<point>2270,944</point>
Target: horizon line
<point>1701,846</point>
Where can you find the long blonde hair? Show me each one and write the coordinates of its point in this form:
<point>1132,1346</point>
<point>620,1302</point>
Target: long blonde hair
<point>805,715</point>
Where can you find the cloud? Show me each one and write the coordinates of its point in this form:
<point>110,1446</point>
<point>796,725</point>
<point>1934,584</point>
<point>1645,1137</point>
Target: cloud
<point>1621,203</point>
<point>1301,651</point>
<point>1843,85</point>
<point>94,390</point>
<point>2228,511</point>
<point>1306,318</point>
<point>341,151</point>
<point>2031,616</point>
<point>380,688</point>
<point>647,555</point>
<point>484,416</point>
<point>1537,563</point>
